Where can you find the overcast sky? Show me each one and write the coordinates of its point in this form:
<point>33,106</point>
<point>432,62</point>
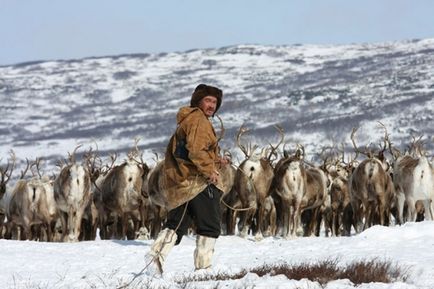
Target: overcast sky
<point>60,29</point>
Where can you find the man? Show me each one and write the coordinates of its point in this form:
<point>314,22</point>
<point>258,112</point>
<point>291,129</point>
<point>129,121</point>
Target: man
<point>192,181</point>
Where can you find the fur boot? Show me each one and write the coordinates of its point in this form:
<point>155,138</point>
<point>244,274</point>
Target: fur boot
<point>203,252</point>
<point>159,250</point>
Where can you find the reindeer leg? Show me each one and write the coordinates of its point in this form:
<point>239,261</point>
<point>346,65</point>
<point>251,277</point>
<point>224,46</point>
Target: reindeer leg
<point>290,221</point>
<point>400,204</point>
<point>260,220</point>
<point>411,210</point>
<point>431,209</point>
<point>77,224</point>
<point>297,220</point>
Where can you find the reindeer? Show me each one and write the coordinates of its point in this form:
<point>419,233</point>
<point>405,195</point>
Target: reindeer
<point>5,175</point>
<point>89,225</point>
<point>31,205</point>
<point>314,200</point>
<point>288,188</point>
<point>72,191</point>
<point>414,181</point>
<point>229,196</point>
<point>371,188</point>
<point>252,182</point>
<point>119,196</point>
<point>154,211</point>
<point>341,212</point>
<point>269,225</point>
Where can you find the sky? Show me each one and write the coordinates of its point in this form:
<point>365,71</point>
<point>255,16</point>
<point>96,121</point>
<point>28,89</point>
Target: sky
<point>52,29</point>
<point>111,263</point>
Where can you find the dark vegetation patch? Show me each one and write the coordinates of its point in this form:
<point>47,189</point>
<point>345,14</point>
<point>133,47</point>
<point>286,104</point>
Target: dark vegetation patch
<point>358,272</point>
<point>122,75</point>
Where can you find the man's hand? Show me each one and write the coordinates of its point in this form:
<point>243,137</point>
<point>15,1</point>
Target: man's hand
<point>214,177</point>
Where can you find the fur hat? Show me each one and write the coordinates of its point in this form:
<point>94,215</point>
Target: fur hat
<point>203,90</point>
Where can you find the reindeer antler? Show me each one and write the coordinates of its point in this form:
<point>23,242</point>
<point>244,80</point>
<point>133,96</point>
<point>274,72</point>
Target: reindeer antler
<point>366,152</point>
<point>93,163</point>
<point>107,168</point>
<point>135,152</point>
<point>7,172</point>
<point>36,164</point>
<point>242,131</point>
<point>299,152</point>
<point>325,157</point>
<point>23,173</point>
<point>222,128</point>
<point>274,148</point>
<point>156,157</point>
<point>386,141</point>
<point>71,157</point>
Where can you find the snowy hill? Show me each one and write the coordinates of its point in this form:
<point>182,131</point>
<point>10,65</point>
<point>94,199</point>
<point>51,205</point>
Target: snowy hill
<point>317,93</point>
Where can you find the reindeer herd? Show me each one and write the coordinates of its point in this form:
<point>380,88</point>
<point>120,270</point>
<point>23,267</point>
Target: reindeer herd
<point>272,192</point>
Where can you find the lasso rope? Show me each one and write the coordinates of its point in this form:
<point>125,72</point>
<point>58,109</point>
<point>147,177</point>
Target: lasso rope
<point>158,251</point>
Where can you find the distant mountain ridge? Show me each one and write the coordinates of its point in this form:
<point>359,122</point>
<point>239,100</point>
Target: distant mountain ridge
<point>317,93</point>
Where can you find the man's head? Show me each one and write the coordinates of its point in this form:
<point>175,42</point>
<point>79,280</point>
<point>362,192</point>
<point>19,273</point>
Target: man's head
<point>208,98</point>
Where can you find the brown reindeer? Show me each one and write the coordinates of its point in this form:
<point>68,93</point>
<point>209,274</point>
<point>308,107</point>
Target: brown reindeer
<point>342,213</point>
<point>5,176</point>
<point>229,196</point>
<point>119,197</point>
<point>269,225</point>
<point>154,211</point>
<point>313,201</point>
<point>288,188</point>
<point>341,210</point>
<point>371,188</point>
<point>252,182</point>
<point>31,206</point>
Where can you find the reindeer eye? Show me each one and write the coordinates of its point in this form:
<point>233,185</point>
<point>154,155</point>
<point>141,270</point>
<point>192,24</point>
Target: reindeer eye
<point>252,169</point>
<point>130,179</point>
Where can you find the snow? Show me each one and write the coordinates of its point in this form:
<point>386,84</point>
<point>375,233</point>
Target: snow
<point>46,107</point>
<point>313,91</point>
<point>111,263</point>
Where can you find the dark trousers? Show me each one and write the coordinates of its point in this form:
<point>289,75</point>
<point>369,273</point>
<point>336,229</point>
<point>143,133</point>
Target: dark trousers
<point>203,210</point>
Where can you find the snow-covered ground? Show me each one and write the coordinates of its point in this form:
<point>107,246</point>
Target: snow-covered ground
<point>109,264</point>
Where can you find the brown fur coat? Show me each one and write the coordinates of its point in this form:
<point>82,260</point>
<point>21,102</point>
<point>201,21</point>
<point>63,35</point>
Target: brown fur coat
<point>192,155</point>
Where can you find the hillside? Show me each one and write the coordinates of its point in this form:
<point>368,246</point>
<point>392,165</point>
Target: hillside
<point>316,93</point>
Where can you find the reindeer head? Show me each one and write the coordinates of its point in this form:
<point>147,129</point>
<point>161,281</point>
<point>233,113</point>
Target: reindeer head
<point>416,147</point>
<point>251,151</point>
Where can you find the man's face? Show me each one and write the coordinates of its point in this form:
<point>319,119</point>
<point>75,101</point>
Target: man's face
<point>208,105</point>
